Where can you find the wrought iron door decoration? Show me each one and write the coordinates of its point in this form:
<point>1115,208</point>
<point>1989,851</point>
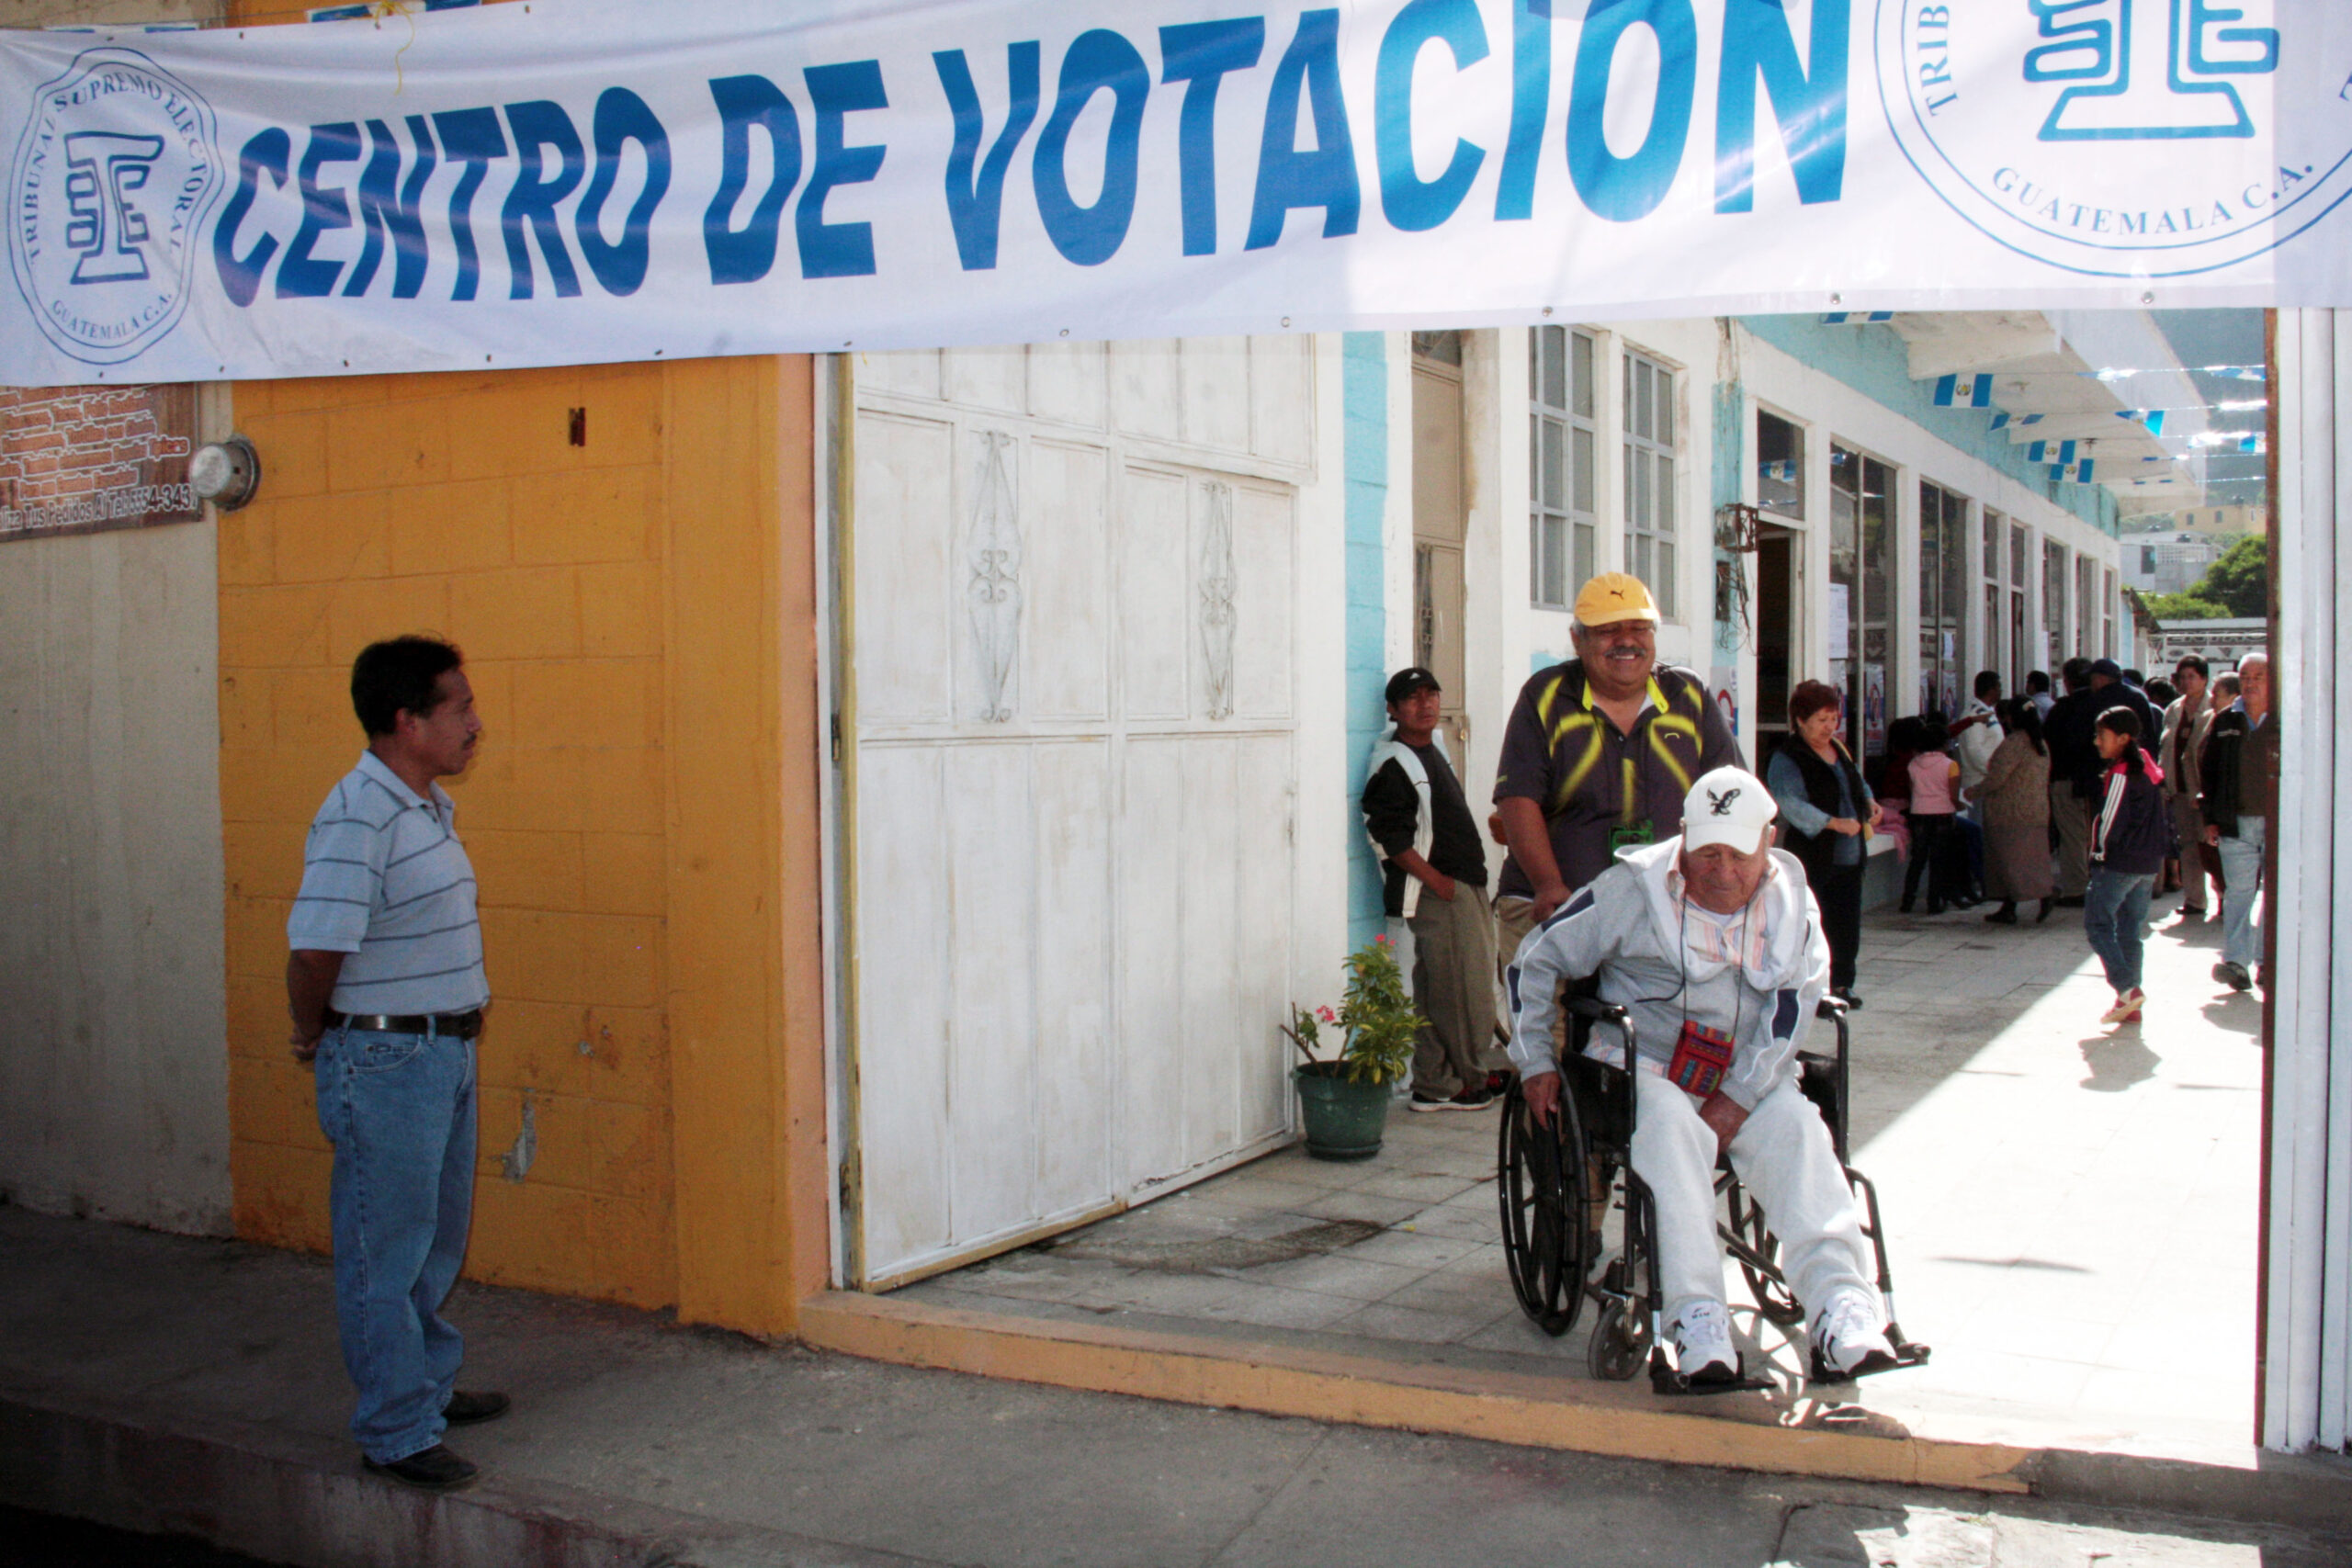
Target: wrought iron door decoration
<point>1219,584</point>
<point>994,554</point>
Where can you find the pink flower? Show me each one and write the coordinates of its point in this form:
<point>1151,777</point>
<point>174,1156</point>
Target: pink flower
<point>1327,1015</point>
<point>1380,939</point>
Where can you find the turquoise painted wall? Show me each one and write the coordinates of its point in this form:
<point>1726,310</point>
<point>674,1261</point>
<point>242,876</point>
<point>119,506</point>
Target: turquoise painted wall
<point>1363,405</point>
<point>1730,451</point>
<point>1872,361</point>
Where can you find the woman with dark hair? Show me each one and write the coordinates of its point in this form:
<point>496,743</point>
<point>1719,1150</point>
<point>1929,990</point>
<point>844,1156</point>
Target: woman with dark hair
<point>2131,834</point>
<point>1828,814</point>
<point>2015,798</point>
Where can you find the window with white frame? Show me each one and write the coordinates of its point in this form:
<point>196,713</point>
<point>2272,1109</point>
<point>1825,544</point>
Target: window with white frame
<point>1561,457</point>
<point>1988,643</point>
<point>1649,477</point>
<point>2086,627</point>
<point>1779,465</point>
<point>2053,602</point>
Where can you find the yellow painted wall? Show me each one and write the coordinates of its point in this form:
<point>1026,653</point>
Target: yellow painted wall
<point>637,616</point>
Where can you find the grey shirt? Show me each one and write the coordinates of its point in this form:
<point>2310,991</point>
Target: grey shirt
<point>386,881</point>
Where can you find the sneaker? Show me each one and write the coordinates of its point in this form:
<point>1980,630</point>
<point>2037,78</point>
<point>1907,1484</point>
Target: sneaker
<point>2127,1006</point>
<point>435,1470</point>
<point>1850,1337</point>
<point>2233,975</point>
<point>1702,1347</point>
<point>1478,1097</point>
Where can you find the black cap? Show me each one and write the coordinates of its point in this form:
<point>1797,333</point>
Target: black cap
<point>2107,667</point>
<point>1408,680</point>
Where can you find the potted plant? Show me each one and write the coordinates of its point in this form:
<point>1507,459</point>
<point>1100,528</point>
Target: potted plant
<point>1344,1098</point>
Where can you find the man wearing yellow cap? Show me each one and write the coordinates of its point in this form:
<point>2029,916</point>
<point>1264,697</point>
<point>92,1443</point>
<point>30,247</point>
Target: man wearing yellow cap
<point>1598,756</point>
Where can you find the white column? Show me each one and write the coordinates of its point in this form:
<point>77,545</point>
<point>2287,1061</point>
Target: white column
<point>2308,1266</point>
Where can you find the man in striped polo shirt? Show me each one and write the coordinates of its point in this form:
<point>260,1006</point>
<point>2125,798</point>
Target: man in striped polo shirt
<point>387,990</point>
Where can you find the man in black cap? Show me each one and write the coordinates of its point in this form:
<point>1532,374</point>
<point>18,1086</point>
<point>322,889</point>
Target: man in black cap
<point>2109,689</point>
<point>1435,868</point>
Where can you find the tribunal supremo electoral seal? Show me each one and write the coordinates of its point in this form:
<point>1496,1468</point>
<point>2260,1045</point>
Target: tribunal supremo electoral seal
<point>2123,138</point>
<point>114,175</point>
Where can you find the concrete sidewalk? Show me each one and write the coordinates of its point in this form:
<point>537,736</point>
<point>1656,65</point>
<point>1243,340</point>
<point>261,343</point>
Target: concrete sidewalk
<point>2071,1213</point>
<point>167,1384</point>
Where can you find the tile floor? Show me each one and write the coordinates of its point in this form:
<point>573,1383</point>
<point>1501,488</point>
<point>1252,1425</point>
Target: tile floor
<point>2071,1210</point>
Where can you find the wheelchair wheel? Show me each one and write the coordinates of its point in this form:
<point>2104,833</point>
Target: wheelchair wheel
<point>1773,1297</point>
<point>1541,1188</point>
<point>1621,1342</point>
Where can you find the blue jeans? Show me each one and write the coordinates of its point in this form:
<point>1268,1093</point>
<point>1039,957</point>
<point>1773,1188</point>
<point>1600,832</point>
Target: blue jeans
<point>2115,908</point>
<point>400,1111</point>
<point>2241,866</point>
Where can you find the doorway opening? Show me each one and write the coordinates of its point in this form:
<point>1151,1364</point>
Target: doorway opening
<point>1777,552</point>
<point>1441,523</point>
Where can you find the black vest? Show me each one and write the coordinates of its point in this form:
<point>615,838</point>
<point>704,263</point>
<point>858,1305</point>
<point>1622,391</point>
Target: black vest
<point>1818,852</point>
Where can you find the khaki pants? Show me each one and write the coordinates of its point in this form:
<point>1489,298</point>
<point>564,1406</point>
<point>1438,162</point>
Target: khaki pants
<point>1514,918</point>
<point>2190,824</point>
<point>1453,986</point>
<point>2072,816</point>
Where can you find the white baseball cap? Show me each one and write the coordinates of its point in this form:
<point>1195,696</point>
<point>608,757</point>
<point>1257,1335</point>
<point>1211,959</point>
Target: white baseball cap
<point>1729,805</point>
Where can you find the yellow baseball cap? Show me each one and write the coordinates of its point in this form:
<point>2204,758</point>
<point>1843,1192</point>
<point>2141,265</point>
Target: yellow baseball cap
<point>1615,596</point>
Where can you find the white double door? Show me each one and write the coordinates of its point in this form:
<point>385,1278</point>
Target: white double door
<point>1069,901</point>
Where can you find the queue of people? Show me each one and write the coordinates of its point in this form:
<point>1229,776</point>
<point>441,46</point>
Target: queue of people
<point>2099,799</point>
<point>2090,799</point>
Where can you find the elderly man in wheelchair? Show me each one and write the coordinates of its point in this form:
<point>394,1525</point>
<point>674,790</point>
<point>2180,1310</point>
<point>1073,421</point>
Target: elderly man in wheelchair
<point>1709,962</point>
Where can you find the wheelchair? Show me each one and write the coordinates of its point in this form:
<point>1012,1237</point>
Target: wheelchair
<point>1555,1183</point>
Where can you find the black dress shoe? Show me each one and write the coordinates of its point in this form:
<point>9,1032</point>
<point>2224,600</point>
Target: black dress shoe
<point>466,1409</point>
<point>435,1470</point>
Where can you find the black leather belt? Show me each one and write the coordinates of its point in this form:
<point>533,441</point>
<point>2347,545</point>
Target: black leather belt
<point>457,1025</point>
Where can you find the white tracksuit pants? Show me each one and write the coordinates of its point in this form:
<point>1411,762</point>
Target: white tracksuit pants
<point>1783,1156</point>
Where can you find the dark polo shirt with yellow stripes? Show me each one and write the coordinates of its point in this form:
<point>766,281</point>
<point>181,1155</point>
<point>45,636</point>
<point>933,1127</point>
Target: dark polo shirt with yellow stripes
<point>1561,752</point>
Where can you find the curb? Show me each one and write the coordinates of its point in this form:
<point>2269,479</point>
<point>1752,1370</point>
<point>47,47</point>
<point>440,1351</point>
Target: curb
<point>1621,1421</point>
<point>301,1501</point>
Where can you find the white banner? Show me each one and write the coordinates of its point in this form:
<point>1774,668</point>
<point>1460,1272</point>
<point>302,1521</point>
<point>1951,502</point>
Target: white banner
<point>570,181</point>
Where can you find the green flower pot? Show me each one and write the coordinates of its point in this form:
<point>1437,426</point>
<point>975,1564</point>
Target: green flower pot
<point>1344,1121</point>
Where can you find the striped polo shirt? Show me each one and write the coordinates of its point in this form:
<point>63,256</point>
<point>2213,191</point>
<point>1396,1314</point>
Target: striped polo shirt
<point>385,880</point>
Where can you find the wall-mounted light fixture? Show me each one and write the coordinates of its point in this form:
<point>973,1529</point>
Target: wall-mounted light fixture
<point>225,473</point>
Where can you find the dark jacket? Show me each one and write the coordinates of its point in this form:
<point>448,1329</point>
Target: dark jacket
<point>2067,732</point>
<point>2241,769</point>
<point>1818,852</point>
<point>2131,829</point>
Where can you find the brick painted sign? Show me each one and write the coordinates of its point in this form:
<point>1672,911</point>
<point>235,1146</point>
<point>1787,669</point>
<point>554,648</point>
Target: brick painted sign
<point>78,459</point>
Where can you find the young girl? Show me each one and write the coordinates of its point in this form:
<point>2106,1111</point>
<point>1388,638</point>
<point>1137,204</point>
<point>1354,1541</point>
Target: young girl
<point>2131,835</point>
<point>1935,786</point>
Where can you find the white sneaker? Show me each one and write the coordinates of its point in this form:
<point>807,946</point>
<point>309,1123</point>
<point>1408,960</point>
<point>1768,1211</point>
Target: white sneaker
<point>1703,1341</point>
<point>1851,1332</point>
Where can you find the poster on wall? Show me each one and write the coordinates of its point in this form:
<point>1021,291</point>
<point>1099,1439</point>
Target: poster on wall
<point>1723,685</point>
<point>79,460</point>
<point>597,181</point>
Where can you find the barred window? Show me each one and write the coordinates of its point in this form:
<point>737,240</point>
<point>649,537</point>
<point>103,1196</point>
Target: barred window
<point>1560,458</point>
<point>1649,478</point>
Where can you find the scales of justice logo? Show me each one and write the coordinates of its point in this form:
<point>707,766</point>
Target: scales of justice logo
<point>114,175</point>
<point>2123,138</point>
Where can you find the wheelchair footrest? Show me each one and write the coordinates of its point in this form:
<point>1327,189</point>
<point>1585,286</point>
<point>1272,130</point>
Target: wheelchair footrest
<point>1666,1380</point>
<point>1906,1355</point>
